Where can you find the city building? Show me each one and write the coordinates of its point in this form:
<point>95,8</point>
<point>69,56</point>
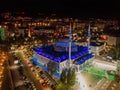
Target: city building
<point>65,54</point>
<point>58,53</point>
<point>113,40</point>
<point>96,47</point>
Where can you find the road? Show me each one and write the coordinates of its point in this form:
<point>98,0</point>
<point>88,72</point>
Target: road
<point>18,83</point>
<point>32,74</point>
<point>27,71</point>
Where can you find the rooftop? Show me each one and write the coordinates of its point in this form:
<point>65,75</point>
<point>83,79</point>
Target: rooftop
<point>82,59</point>
<point>65,43</point>
<point>96,44</point>
<point>50,53</point>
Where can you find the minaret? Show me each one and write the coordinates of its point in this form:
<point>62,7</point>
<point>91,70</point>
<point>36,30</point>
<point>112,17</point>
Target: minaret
<point>70,42</point>
<point>89,37</point>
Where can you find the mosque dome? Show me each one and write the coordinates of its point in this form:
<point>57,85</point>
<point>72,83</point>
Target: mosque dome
<point>63,46</point>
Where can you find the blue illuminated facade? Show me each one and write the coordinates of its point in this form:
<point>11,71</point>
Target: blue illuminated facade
<point>64,53</point>
<point>82,59</point>
<point>44,54</point>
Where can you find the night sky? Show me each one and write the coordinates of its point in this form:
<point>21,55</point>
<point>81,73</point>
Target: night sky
<point>67,7</point>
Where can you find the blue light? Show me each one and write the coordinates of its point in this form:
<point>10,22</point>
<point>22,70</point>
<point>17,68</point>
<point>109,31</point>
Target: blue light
<point>40,53</point>
<point>83,59</point>
<point>63,57</point>
<point>77,55</point>
<point>49,53</point>
<point>56,59</point>
<point>38,64</point>
<point>72,57</point>
<point>88,33</point>
<point>47,56</point>
<point>43,54</point>
<point>51,57</point>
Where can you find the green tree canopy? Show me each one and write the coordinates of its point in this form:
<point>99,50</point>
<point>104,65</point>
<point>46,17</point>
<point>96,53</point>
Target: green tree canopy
<point>67,80</point>
<point>114,52</point>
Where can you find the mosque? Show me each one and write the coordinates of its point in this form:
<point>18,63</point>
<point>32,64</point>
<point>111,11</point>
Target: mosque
<point>64,53</point>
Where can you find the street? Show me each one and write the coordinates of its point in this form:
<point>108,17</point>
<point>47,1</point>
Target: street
<point>18,84</point>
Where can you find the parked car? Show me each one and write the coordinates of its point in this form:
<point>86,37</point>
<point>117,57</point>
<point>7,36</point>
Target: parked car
<point>44,84</point>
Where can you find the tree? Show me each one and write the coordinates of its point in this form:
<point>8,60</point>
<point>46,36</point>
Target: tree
<point>71,77</point>
<point>114,52</point>
<point>63,76</point>
<point>60,86</point>
<point>118,66</point>
<point>67,79</point>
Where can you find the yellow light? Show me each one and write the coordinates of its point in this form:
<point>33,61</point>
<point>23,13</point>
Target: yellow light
<point>2,67</point>
<point>1,64</point>
<point>41,80</point>
<point>4,57</point>
<point>0,83</point>
<point>0,72</point>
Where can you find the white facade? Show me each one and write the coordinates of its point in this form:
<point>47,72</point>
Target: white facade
<point>43,60</point>
<point>96,49</point>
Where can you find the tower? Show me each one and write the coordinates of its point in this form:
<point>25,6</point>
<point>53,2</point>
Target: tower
<point>70,42</point>
<point>89,38</point>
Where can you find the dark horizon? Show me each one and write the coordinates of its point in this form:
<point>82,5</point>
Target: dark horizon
<point>93,8</point>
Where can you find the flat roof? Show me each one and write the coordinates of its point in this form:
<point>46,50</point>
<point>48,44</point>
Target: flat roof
<point>83,59</point>
<point>65,44</point>
<point>96,43</point>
